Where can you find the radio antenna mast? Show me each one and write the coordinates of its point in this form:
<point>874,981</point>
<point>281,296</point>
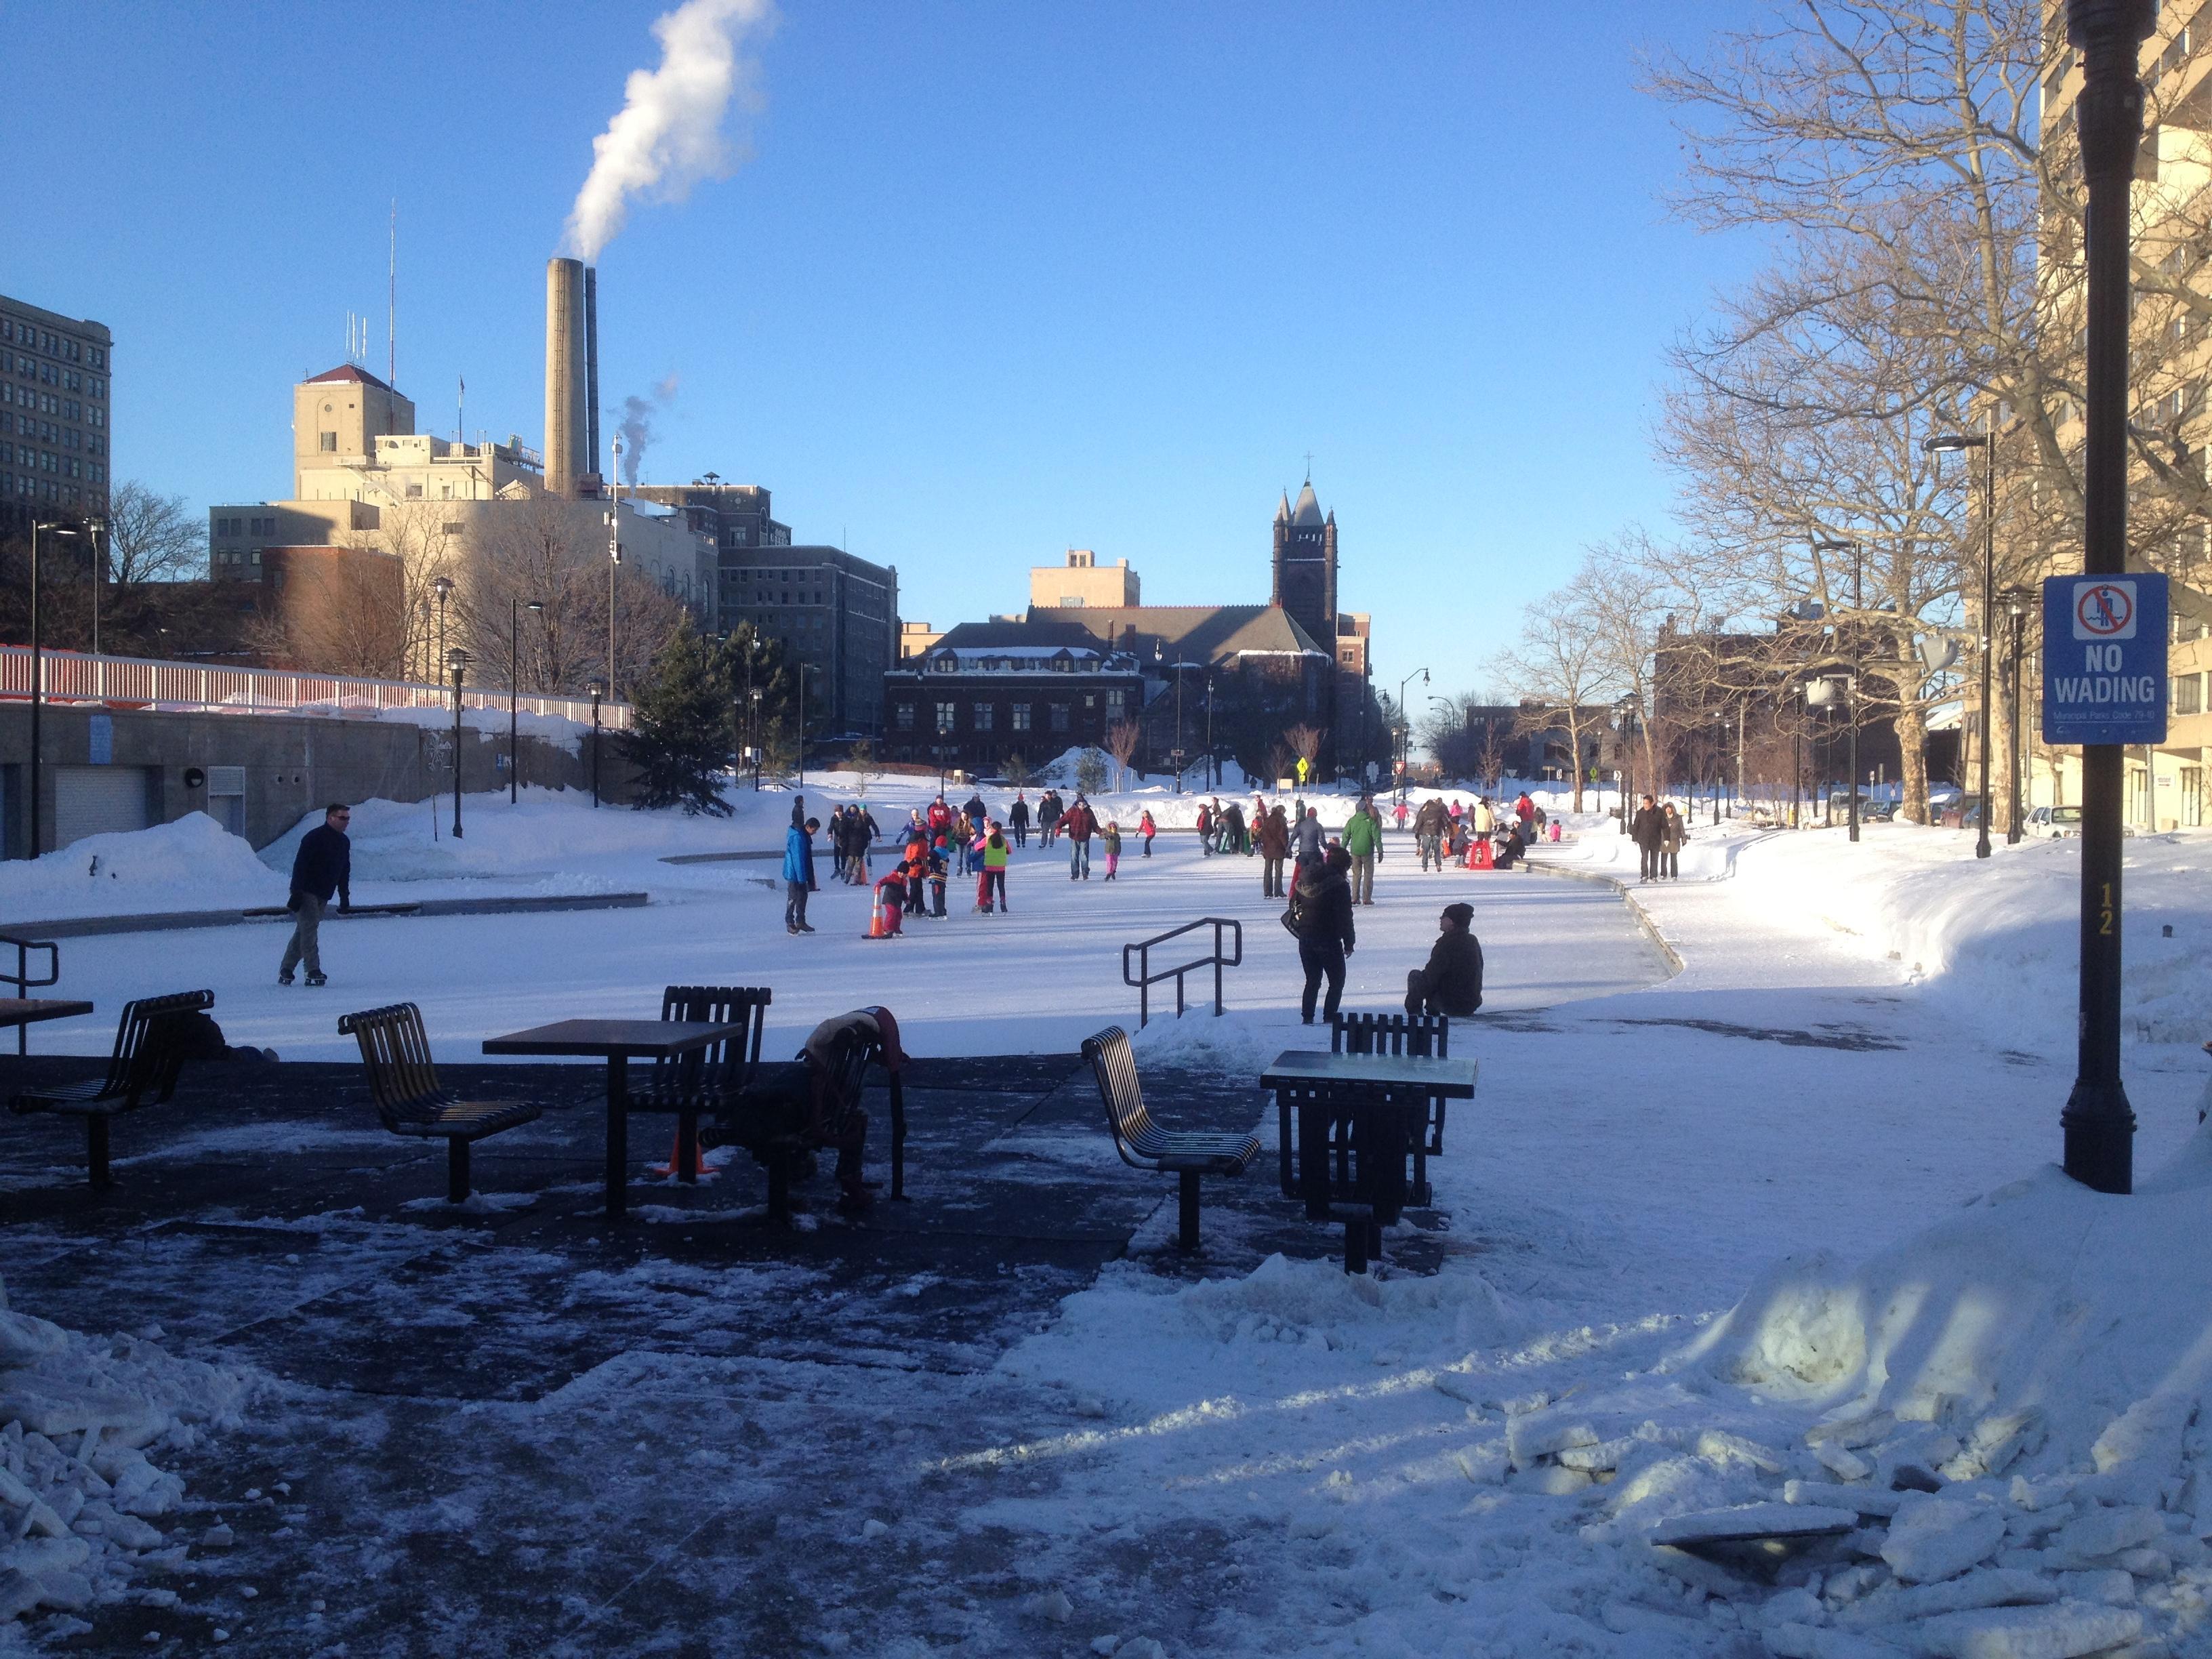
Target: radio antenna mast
<point>391,304</point>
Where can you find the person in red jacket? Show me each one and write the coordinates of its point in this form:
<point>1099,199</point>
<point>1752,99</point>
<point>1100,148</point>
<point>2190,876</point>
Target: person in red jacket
<point>1079,824</point>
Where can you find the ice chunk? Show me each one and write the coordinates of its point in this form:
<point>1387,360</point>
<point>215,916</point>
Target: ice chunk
<point>1937,1538</point>
<point>1752,1521</point>
<point>2108,1531</point>
<point>1993,1587</point>
<point>2065,1631</point>
<point>1864,1500</point>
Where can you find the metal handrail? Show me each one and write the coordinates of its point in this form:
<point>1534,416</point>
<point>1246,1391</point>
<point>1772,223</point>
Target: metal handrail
<point>80,677</point>
<point>22,980</point>
<point>1147,977</point>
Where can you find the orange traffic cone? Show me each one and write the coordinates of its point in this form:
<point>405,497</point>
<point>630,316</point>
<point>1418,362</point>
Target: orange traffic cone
<point>875,921</point>
<point>667,1171</point>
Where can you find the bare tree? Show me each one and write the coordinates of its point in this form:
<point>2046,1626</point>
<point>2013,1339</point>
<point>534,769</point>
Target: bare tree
<point>1560,673</point>
<point>1122,738</point>
<point>151,538</point>
<point>1630,591</point>
<point>1305,742</point>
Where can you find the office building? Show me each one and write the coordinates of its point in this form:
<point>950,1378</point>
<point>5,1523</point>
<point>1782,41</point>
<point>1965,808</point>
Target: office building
<point>831,610</point>
<point>56,433</point>
<point>1082,581</point>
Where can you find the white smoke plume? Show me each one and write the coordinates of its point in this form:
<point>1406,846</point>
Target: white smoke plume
<point>668,134</point>
<point>636,426</point>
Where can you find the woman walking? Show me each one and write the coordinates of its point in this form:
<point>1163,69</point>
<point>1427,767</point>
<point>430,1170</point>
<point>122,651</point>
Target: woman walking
<point>1320,915</point>
<point>1146,828</point>
<point>1671,835</point>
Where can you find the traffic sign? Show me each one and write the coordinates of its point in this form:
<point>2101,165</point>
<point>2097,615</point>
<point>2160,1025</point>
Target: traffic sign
<point>2104,659</point>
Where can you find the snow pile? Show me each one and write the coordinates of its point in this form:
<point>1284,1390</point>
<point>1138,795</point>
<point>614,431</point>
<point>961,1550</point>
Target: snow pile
<point>192,864</point>
<point>1999,938</point>
<point>80,1500</point>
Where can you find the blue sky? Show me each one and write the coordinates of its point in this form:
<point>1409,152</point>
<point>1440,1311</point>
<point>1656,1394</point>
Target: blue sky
<point>997,280</point>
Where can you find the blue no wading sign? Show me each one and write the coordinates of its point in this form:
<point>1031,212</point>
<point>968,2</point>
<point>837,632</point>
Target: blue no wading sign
<point>2104,659</point>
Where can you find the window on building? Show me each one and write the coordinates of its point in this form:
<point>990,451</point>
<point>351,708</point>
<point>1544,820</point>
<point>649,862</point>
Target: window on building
<point>1021,717</point>
<point>986,715</point>
<point>2192,797</point>
<point>2188,694</point>
<point>1116,702</point>
<point>414,492</point>
<point>946,715</point>
<point>1059,717</point>
<point>328,442</point>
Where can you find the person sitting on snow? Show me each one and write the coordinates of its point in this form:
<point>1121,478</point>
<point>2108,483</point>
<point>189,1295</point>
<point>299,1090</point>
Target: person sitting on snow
<point>1451,983</point>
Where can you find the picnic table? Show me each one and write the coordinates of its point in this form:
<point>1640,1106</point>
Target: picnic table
<point>23,1011</point>
<point>618,1041</point>
<point>1386,1098</point>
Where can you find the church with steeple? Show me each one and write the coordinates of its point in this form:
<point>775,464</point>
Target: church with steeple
<point>1227,681</point>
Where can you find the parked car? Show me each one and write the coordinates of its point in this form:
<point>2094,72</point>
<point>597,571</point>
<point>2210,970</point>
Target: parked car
<point>2054,821</point>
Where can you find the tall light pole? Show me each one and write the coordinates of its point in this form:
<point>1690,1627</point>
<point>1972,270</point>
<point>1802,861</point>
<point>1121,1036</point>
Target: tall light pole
<point>1949,443</point>
<point>2016,602</point>
<point>514,674</point>
<point>442,586</point>
<point>596,691</point>
<point>614,555</point>
<point>1830,545</point>
<point>1213,776</point>
<point>2099,1125</point>
<point>97,528</point>
<point>1406,729</point>
<point>38,672</point>
<point>458,661</point>
<point>804,668</point>
<point>753,697</point>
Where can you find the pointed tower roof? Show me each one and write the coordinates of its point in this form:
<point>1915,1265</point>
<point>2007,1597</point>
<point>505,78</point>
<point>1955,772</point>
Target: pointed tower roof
<point>1283,512</point>
<point>1308,511</point>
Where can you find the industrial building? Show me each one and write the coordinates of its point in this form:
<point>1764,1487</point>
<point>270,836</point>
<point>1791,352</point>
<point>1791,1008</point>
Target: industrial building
<point>56,433</point>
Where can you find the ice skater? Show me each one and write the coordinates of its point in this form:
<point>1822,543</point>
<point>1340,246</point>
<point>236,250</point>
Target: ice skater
<point>323,866</point>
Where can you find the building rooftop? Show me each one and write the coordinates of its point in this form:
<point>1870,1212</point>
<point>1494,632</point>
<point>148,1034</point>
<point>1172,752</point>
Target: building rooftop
<point>352,372</point>
<point>1195,633</point>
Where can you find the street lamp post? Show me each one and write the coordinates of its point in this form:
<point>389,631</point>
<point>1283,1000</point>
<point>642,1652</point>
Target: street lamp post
<point>1951,443</point>
<point>442,586</point>
<point>2016,602</point>
<point>458,661</point>
<point>1213,774</point>
<point>1406,729</point>
<point>38,672</point>
<point>514,674</point>
<point>2099,1125</point>
<point>753,696</point>
<point>804,668</point>
<point>614,555</point>
<point>1830,545</point>
<point>597,692</point>
<point>96,528</point>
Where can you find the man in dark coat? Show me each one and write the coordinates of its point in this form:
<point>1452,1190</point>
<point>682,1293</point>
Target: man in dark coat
<point>1452,982</point>
<point>1649,830</point>
<point>322,866</point>
<point>1017,819</point>
<point>977,812</point>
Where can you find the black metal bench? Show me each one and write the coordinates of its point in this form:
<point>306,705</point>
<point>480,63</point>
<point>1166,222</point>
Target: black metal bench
<point>769,1119</point>
<point>1401,1034</point>
<point>152,1039</point>
<point>1144,1145</point>
<point>706,1081</point>
<point>404,1085</point>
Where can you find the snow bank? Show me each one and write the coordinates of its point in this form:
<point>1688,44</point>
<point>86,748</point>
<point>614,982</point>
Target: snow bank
<point>1998,939</point>
<point>81,1505</point>
<point>192,864</point>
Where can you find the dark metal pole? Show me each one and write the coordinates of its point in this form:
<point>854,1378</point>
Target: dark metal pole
<point>2099,1124</point>
<point>513,673</point>
<point>458,671</point>
<point>2012,734</point>
<point>38,686</point>
<point>595,747</point>
<point>1989,621</point>
<point>1858,603</point>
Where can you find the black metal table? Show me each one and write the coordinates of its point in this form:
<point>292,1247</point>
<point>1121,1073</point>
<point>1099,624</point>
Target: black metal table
<point>616,1041</point>
<point>1386,1098</point>
<point>23,1011</point>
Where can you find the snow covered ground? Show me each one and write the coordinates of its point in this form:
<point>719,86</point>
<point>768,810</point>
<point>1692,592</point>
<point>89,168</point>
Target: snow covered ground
<point>1836,1120</point>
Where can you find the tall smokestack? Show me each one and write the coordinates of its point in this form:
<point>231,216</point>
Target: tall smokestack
<point>591,368</point>
<point>567,373</point>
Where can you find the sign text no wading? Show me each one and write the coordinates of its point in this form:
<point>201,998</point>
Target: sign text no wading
<point>2104,659</point>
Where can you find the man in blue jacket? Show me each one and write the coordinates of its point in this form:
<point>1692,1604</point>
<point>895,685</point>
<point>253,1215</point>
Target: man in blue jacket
<point>322,866</point>
<point>798,874</point>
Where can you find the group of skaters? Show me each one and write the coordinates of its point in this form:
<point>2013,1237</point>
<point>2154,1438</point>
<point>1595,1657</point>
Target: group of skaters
<point>1658,831</point>
<point>1482,835</point>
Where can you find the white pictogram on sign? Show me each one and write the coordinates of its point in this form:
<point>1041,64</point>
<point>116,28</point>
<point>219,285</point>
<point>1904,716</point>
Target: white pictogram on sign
<point>2105,610</point>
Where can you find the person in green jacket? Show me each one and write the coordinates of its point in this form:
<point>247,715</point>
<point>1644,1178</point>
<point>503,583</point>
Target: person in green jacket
<point>1362,839</point>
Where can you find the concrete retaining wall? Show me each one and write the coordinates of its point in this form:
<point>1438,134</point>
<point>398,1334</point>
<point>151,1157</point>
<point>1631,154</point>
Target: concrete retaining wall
<point>291,763</point>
